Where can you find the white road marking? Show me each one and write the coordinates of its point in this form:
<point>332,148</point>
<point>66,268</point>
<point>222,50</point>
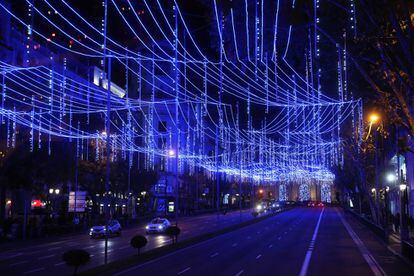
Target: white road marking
<point>91,246</point>
<point>61,263</point>
<point>34,252</point>
<point>240,272</point>
<point>46,257</point>
<point>34,270</point>
<point>54,248</point>
<point>234,244</point>
<point>258,256</point>
<point>214,255</point>
<point>184,271</point>
<point>308,256</point>
<point>12,256</point>
<point>271,245</point>
<point>18,263</point>
<point>123,247</point>
<point>375,267</point>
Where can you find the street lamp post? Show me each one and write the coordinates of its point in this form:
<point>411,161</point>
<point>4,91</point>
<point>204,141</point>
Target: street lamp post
<point>403,212</point>
<point>373,119</point>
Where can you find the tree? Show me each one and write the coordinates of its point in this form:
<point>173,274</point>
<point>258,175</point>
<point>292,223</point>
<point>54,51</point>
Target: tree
<point>138,242</point>
<point>385,51</point>
<point>76,258</point>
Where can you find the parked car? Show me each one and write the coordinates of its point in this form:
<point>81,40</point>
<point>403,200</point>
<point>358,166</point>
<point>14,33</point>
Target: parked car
<point>158,225</point>
<point>114,228</point>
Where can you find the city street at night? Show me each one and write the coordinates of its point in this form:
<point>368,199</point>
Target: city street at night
<point>207,137</point>
<point>280,245</point>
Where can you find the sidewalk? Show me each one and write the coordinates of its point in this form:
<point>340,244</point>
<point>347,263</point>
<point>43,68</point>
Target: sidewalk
<point>394,245</point>
<point>391,242</point>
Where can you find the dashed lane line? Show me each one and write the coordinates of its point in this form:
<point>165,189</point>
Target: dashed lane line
<point>308,256</point>
<point>240,272</point>
<point>34,270</point>
<point>54,248</point>
<point>46,257</point>
<point>18,263</point>
<point>214,255</point>
<point>184,271</point>
<point>258,256</point>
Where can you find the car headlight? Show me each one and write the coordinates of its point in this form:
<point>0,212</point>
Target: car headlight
<point>160,227</point>
<point>147,227</point>
<point>91,230</point>
<point>259,207</point>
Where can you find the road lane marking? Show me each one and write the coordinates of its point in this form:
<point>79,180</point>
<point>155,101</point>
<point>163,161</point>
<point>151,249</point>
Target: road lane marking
<point>46,257</point>
<point>258,256</point>
<point>123,247</point>
<point>240,272</point>
<point>34,270</point>
<point>234,244</point>
<point>214,255</point>
<point>18,263</point>
<point>375,267</point>
<point>308,256</point>
<point>54,248</point>
<point>12,256</point>
<point>271,245</point>
<point>34,252</point>
<point>61,263</point>
<point>184,271</point>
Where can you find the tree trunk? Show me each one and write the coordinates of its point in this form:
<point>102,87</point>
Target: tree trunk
<point>2,204</point>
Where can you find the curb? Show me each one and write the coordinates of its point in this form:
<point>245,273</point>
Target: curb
<point>385,242</point>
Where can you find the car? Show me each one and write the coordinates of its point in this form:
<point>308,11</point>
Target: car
<point>114,228</point>
<point>261,207</point>
<point>320,204</point>
<point>311,204</point>
<point>158,225</point>
<point>276,206</point>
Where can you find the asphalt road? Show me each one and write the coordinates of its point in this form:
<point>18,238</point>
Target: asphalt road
<point>302,241</point>
<point>46,257</point>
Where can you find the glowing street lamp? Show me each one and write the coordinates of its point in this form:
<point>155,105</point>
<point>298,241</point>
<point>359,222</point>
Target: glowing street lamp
<point>403,186</point>
<point>391,178</point>
<point>373,119</point>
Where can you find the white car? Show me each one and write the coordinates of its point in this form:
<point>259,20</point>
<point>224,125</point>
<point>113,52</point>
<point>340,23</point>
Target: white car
<point>158,225</point>
<point>114,228</point>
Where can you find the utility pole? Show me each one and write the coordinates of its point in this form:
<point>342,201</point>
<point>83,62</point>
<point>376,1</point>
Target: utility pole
<point>107,129</point>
